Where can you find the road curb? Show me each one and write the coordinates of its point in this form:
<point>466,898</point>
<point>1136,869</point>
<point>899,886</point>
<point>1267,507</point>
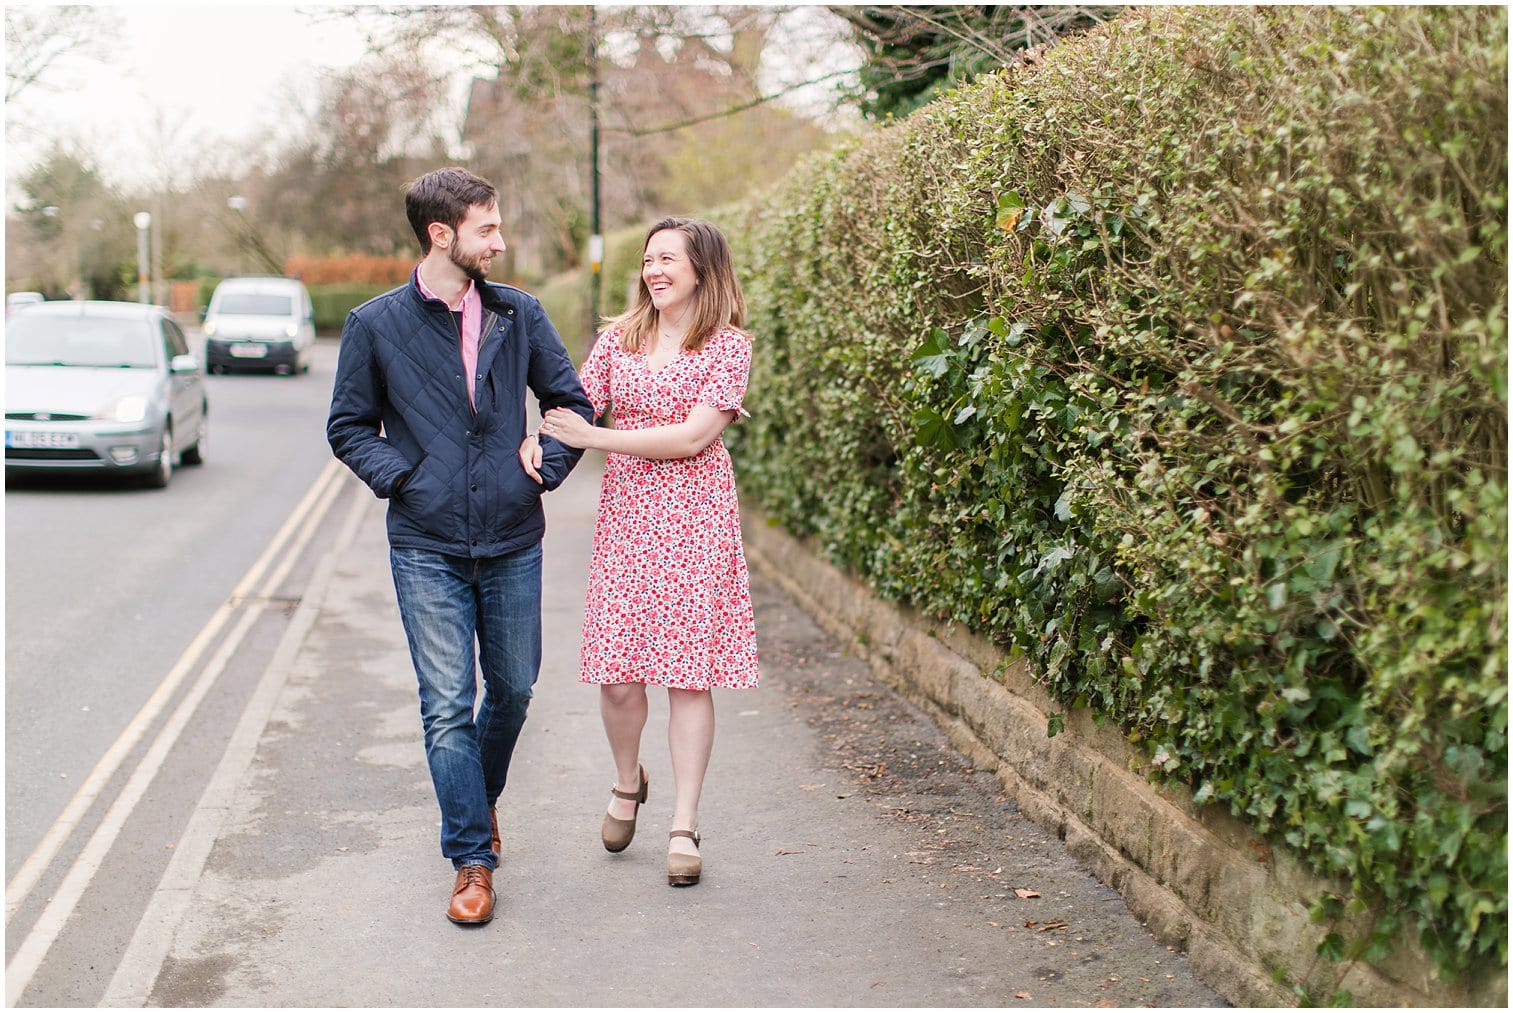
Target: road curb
<point>139,967</point>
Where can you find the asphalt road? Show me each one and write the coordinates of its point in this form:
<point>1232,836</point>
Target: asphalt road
<point>117,600</point>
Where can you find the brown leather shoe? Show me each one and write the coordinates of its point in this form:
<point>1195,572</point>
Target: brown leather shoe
<point>494,830</point>
<point>473,896</point>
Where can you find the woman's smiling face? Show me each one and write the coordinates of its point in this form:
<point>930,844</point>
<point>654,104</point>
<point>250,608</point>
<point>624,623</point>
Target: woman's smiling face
<point>668,273</point>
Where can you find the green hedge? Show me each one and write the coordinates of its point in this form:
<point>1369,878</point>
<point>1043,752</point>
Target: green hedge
<point>205,288</point>
<point>332,303</point>
<point>565,299</point>
<point>1176,362</point>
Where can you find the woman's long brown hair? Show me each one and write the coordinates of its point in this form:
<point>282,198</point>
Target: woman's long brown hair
<point>717,301</point>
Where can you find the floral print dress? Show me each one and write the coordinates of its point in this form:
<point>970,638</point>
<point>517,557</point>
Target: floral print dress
<point>669,595</point>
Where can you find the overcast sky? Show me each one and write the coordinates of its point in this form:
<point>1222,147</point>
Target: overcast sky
<point>217,75</point>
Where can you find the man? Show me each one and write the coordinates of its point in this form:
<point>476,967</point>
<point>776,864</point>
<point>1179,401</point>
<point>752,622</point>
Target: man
<point>429,410</point>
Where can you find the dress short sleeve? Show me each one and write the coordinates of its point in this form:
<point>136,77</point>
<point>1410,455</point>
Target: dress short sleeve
<point>594,373</point>
<point>724,386</point>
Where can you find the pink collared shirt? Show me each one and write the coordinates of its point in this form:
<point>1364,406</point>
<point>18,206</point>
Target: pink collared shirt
<point>472,326</point>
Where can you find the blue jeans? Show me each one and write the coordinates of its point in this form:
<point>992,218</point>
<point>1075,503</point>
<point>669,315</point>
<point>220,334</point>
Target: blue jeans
<point>446,602</point>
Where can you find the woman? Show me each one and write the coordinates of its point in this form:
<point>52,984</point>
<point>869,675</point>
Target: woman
<point>669,601</point>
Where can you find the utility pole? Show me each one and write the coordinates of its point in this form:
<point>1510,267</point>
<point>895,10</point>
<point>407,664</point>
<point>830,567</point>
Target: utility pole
<point>596,238</point>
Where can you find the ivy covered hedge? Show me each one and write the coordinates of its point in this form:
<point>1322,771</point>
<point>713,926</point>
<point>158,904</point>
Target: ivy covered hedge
<point>1176,362</point>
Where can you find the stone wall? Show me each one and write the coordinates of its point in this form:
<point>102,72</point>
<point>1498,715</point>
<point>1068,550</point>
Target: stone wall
<point>1199,878</point>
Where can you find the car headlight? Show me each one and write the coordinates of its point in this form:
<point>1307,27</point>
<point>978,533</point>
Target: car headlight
<point>131,408</point>
<point>291,330</point>
<point>209,330</point>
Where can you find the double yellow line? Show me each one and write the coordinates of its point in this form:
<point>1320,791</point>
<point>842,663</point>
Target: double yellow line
<point>246,605</point>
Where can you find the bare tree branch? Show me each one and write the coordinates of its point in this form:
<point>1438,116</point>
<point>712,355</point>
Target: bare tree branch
<point>721,113</point>
<point>39,39</point>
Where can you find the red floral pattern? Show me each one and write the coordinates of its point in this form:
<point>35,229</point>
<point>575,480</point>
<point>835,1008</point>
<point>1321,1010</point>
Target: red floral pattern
<point>669,595</point>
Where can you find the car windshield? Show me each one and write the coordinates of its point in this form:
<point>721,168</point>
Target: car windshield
<point>38,339</point>
<point>254,304</point>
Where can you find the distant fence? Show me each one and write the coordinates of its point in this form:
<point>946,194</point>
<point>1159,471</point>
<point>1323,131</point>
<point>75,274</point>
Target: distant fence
<point>184,296</point>
<point>350,269</point>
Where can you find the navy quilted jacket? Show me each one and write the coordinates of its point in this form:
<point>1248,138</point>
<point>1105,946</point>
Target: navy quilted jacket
<point>400,418</point>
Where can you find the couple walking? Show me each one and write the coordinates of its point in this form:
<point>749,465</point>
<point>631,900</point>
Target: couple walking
<point>428,409</point>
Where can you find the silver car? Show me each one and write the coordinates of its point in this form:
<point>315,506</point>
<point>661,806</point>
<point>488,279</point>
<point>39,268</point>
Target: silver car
<point>102,386</point>
<point>261,323</point>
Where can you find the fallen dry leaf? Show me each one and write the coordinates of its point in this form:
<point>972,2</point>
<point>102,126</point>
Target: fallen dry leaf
<point>1024,894</point>
<point>1021,995</point>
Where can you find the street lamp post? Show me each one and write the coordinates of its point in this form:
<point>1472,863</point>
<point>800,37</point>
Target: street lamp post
<point>143,222</point>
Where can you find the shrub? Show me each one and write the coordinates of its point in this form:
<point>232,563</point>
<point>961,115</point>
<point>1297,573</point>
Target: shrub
<point>205,288</point>
<point>1176,363</point>
<point>332,303</point>
<point>565,299</point>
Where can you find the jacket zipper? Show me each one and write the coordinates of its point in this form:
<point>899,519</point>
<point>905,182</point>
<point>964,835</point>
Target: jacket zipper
<point>467,381</point>
<point>485,324</point>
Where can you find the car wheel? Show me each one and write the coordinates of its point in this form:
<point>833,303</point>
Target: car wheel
<point>159,476</point>
<point>196,453</point>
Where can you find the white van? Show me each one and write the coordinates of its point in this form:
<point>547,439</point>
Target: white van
<point>260,323</point>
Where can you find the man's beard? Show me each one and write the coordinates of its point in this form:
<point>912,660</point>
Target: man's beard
<point>471,266</point>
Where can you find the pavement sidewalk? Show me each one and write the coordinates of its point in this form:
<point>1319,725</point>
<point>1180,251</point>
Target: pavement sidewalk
<point>851,857</point>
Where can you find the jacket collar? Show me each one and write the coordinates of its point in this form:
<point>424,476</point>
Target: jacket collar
<point>495,297</point>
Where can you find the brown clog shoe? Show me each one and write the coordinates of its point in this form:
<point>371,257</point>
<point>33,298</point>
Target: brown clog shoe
<point>617,833</point>
<point>684,870</point>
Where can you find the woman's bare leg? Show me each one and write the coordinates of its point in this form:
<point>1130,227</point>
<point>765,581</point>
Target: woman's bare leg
<point>623,710</point>
<point>690,738</point>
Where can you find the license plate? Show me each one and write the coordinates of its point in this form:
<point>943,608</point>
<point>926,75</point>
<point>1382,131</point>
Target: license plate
<point>249,351</point>
<point>41,441</point>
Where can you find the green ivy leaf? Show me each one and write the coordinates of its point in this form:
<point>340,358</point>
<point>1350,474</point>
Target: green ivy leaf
<point>1011,208</point>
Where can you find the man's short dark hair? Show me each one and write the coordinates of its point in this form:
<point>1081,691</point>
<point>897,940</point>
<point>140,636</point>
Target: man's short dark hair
<point>444,195</point>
